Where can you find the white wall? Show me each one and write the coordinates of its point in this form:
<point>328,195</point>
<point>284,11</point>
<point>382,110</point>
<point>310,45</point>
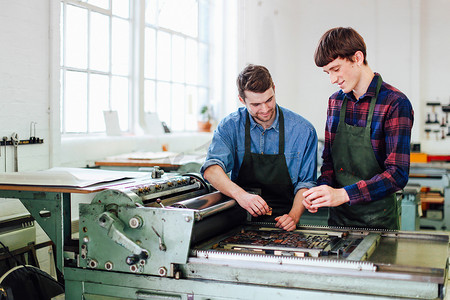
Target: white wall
<point>28,55</point>
<point>407,42</point>
<point>28,90</point>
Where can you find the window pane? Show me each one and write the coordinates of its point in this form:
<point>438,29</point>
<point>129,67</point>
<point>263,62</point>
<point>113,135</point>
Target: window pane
<point>203,65</point>
<point>191,62</point>
<point>203,97</point>
<point>120,100</point>
<point>75,102</point>
<point>120,46</point>
<point>193,108</point>
<point>178,107</point>
<point>181,16</point>
<point>150,12</point>
<point>61,34</point>
<point>100,3</point>
<point>149,96</point>
<point>99,52</point>
<point>163,105</point>
<point>178,52</point>
<point>121,8</point>
<point>203,27</point>
<point>61,101</point>
<point>98,101</point>
<point>163,56</point>
<point>76,37</point>
<point>150,53</point>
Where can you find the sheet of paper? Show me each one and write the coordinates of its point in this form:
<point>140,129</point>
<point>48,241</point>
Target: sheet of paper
<point>153,125</point>
<point>70,177</point>
<point>112,123</point>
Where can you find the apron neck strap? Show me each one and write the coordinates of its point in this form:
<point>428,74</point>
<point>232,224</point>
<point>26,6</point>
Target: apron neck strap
<point>373,102</point>
<point>371,108</point>
<point>281,128</point>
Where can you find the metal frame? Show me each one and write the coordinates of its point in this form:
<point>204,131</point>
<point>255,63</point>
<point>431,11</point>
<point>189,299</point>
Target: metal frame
<point>51,210</point>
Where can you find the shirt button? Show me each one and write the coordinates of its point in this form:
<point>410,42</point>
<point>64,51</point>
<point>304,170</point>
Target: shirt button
<point>262,152</point>
<point>263,133</point>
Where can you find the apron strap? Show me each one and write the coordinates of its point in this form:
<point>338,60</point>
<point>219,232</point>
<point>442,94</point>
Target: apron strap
<point>281,128</point>
<point>373,101</point>
<point>372,105</point>
<point>247,134</point>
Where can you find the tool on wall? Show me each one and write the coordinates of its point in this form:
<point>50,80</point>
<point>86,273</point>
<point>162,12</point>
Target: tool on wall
<point>5,139</point>
<point>439,122</point>
<point>433,109</point>
<point>15,141</point>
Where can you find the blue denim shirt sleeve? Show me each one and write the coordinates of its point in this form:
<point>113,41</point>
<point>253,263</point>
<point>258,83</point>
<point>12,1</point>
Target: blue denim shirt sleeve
<point>228,146</point>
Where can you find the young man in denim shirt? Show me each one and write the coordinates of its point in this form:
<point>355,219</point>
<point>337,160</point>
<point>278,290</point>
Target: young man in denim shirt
<point>265,147</point>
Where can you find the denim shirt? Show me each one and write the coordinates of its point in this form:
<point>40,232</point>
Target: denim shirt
<point>228,145</point>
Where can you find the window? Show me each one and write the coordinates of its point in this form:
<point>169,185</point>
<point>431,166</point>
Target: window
<point>101,41</point>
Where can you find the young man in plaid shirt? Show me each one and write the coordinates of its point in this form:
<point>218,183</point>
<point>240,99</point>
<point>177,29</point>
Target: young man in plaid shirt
<point>367,138</point>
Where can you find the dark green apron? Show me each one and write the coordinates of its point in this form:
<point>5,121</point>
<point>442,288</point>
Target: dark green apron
<point>354,160</point>
<point>267,173</point>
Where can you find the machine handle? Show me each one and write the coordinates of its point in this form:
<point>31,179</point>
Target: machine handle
<point>135,258</point>
<point>115,231</point>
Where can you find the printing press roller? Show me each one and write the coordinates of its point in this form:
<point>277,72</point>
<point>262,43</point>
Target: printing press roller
<point>146,228</point>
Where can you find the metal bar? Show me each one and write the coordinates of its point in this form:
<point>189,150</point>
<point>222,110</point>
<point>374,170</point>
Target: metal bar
<point>204,213</point>
<point>172,191</point>
<point>365,248</point>
<point>288,260</point>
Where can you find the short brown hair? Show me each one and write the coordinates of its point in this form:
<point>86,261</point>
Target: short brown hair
<point>254,78</point>
<point>339,42</point>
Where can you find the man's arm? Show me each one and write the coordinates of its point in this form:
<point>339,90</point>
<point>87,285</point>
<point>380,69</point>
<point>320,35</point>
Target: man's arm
<point>289,221</point>
<point>254,204</point>
<point>397,129</point>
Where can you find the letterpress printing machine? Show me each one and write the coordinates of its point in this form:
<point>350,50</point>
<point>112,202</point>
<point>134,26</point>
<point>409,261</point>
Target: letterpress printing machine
<point>174,238</point>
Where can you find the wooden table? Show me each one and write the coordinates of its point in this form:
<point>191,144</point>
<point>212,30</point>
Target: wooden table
<point>170,163</point>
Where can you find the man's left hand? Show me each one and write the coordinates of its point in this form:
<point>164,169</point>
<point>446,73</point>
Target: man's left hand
<point>324,195</point>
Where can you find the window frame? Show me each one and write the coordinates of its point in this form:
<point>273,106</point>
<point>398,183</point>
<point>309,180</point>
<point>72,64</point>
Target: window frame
<point>136,76</point>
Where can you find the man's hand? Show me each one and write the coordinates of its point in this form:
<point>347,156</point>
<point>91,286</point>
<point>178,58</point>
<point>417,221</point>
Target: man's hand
<point>324,196</point>
<point>307,204</point>
<point>286,222</point>
<point>252,203</point>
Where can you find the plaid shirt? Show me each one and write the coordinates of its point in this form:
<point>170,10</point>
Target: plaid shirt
<point>390,136</point>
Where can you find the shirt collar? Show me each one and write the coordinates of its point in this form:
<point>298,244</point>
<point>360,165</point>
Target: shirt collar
<point>371,90</point>
<point>274,125</point>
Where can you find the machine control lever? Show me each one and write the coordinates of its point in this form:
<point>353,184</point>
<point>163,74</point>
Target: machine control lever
<point>162,246</point>
<point>115,231</point>
<point>135,258</point>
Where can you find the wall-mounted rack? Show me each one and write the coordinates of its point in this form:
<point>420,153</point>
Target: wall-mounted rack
<point>30,141</point>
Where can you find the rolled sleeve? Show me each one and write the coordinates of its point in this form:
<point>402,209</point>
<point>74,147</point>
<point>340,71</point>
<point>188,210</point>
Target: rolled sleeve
<point>221,150</point>
<point>210,163</point>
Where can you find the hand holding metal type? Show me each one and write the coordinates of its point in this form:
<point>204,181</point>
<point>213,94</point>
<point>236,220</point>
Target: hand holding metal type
<point>253,203</point>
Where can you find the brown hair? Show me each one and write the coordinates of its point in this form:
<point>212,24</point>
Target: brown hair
<point>339,42</point>
<point>254,78</point>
